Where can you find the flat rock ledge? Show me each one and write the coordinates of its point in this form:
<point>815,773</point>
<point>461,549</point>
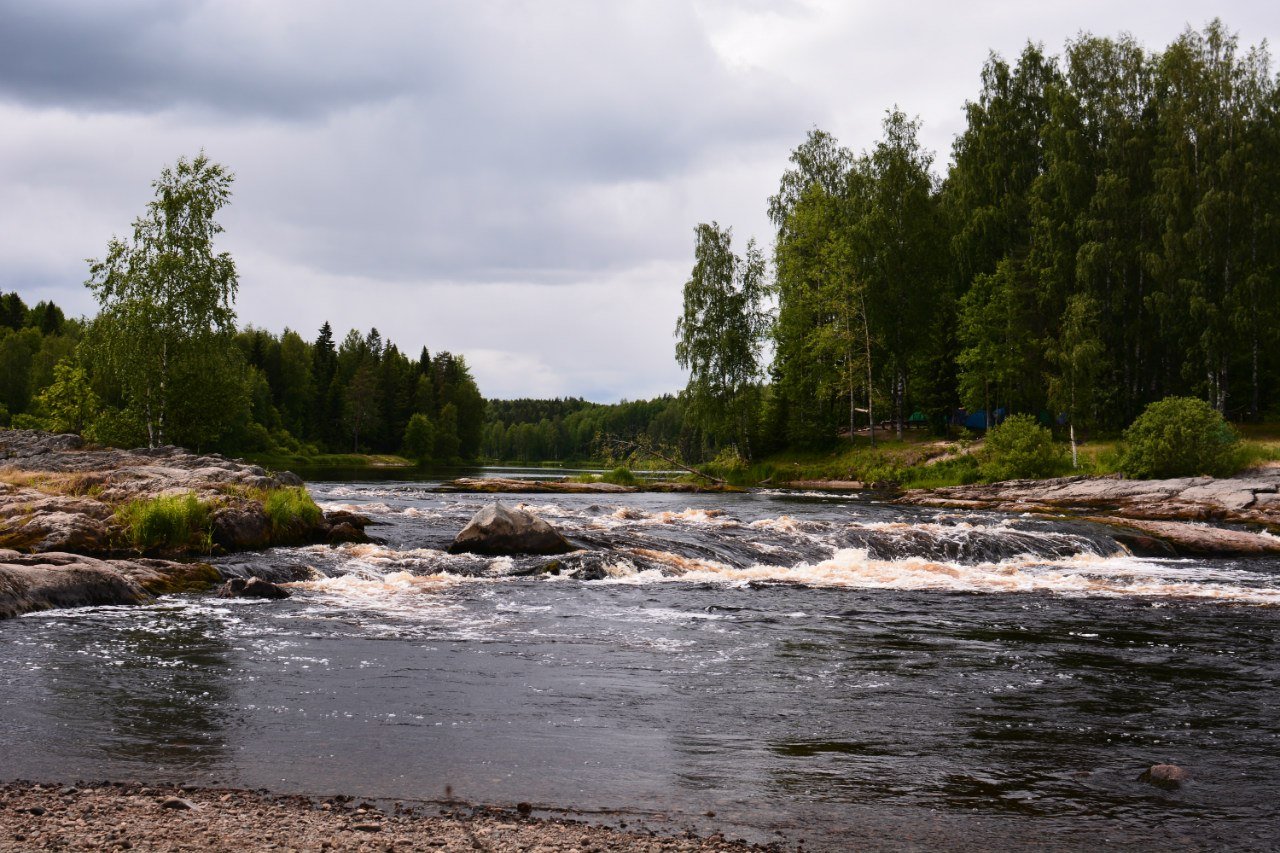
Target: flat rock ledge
<point>510,485</point>
<point>114,816</point>
<point>1183,513</point>
<point>1250,498</point>
<point>33,582</point>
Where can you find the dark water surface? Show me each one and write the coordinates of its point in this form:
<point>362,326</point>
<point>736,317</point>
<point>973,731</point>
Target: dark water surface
<point>850,674</point>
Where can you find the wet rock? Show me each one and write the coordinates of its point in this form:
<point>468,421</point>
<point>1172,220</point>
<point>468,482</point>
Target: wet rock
<point>166,577</point>
<point>344,516</point>
<point>31,582</point>
<point>241,528</point>
<point>252,588</point>
<point>1181,538</point>
<point>1167,776</point>
<point>497,530</point>
<point>344,532</point>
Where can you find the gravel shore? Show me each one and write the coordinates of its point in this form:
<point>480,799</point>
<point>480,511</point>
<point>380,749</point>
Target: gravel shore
<point>115,816</point>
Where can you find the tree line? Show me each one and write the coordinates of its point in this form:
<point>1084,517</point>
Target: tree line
<point>163,362</point>
<point>286,394</point>
<point>1107,234</point>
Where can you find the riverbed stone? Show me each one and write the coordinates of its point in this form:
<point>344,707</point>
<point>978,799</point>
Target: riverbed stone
<point>497,530</point>
<point>252,588</point>
<point>1167,776</point>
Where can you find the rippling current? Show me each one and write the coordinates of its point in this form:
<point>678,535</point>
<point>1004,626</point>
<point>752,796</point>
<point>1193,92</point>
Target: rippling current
<point>832,670</point>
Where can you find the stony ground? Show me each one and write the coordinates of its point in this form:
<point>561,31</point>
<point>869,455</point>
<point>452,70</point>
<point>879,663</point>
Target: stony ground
<point>112,817</point>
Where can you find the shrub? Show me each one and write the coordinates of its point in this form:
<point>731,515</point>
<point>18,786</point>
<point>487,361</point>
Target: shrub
<point>176,522</point>
<point>1021,448</point>
<point>1178,437</point>
<point>291,512</point>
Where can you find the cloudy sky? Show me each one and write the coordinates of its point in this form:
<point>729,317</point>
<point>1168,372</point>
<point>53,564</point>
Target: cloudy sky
<point>515,181</point>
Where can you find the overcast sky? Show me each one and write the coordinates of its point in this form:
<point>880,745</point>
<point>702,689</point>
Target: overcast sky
<point>514,181</point>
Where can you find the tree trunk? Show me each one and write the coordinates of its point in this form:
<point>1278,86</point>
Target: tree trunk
<point>866,334</point>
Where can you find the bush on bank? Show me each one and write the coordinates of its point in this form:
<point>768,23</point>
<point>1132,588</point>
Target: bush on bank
<point>1178,437</point>
<point>1020,448</point>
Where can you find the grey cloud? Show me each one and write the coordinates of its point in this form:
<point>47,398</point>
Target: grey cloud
<point>154,55</point>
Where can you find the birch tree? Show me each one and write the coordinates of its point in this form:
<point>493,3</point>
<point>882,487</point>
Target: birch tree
<point>167,303</point>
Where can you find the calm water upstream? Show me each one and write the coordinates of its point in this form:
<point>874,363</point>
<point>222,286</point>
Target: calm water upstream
<point>855,675</point>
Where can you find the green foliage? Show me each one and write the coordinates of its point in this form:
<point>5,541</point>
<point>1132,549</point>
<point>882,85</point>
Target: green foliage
<point>721,332</point>
<point>164,332</point>
<point>419,438</point>
<point>117,428</point>
<point>447,443</point>
<point>173,523</point>
<point>620,476</point>
<point>69,403</point>
<point>1020,448</point>
<point>291,512</point>
<point>1178,437</point>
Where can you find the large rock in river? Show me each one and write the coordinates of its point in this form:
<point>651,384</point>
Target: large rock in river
<point>497,530</point>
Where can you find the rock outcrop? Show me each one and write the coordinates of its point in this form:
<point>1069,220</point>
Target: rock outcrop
<point>497,530</point>
<point>62,543</point>
<point>31,582</point>
<point>1251,498</point>
<point>58,495</point>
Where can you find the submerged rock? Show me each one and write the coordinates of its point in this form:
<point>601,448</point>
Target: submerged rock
<point>497,531</point>
<point>1168,776</point>
<point>252,588</point>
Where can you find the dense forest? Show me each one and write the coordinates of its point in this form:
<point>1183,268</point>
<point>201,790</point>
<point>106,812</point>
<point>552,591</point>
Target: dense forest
<point>290,394</point>
<point>1106,234</point>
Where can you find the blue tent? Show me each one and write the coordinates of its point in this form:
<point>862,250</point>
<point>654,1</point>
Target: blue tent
<point>978,420</point>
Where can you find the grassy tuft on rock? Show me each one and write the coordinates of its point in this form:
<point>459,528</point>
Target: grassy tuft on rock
<point>291,512</point>
<point>168,523</point>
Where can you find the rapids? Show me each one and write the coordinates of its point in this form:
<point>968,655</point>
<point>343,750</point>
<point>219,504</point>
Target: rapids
<point>804,667</point>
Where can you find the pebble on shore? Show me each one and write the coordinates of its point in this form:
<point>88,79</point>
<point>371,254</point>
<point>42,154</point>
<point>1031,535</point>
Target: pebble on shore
<point>113,817</point>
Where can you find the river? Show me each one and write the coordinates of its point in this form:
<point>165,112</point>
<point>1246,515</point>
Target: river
<point>779,666</point>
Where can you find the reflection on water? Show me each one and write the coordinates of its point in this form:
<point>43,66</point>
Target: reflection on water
<point>144,690</point>
<point>851,674</point>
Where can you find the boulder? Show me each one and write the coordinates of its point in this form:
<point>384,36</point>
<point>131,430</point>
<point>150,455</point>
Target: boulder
<point>251,588</point>
<point>345,532</point>
<point>497,530</point>
<point>241,528</point>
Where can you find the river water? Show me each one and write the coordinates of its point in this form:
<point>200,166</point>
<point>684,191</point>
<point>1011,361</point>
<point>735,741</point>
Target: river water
<point>830,670</point>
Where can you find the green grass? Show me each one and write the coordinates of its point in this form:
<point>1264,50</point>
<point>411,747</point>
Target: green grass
<point>172,523</point>
<point>620,476</point>
<point>291,512</point>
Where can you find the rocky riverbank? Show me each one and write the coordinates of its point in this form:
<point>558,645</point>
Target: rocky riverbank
<point>65,536</point>
<point>1179,516</point>
<point>113,817</point>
